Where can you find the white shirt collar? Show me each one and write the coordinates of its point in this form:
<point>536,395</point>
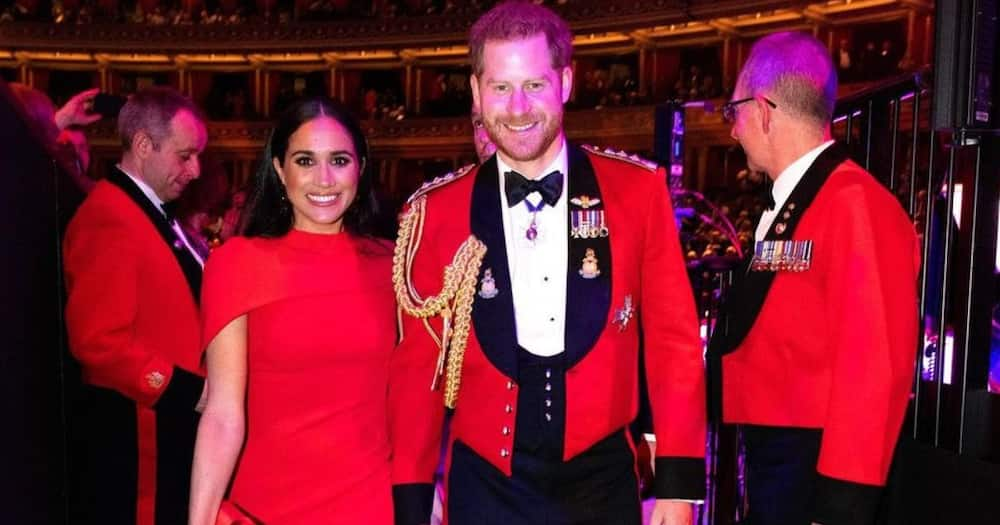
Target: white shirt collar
<point>146,190</point>
<point>790,177</point>
<point>538,268</point>
<point>560,164</point>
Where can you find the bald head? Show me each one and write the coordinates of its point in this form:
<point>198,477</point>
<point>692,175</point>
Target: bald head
<point>794,70</point>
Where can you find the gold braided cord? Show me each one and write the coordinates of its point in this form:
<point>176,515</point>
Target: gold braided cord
<point>453,302</point>
<point>463,316</point>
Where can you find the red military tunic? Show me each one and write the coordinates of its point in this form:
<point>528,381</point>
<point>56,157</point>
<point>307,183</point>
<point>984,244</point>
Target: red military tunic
<point>832,347</point>
<point>602,379</point>
<point>132,318</point>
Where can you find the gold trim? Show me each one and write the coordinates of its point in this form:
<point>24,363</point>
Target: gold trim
<point>453,303</point>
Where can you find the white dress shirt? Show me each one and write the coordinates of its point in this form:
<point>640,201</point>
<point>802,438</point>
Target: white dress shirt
<point>538,267</point>
<point>158,204</point>
<point>784,184</point>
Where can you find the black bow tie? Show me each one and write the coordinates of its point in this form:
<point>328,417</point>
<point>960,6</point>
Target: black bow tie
<point>517,187</point>
<point>767,193</point>
<point>170,210</point>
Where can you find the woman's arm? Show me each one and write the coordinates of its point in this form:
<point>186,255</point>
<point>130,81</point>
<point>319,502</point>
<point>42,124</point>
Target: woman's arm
<point>222,426</point>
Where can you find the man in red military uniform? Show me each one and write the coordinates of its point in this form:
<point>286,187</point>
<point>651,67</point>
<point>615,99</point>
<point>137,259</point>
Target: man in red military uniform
<point>133,281</point>
<point>818,334</point>
<point>555,255</point>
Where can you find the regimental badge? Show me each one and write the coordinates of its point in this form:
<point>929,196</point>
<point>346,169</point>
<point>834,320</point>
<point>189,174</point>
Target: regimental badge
<point>624,314</point>
<point>488,287</point>
<point>782,256</point>
<point>588,267</point>
<point>781,227</point>
<point>155,380</point>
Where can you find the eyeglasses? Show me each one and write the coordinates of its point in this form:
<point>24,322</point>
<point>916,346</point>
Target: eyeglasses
<point>729,108</point>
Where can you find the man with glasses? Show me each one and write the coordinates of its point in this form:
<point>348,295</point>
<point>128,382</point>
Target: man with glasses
<point>813,350</point>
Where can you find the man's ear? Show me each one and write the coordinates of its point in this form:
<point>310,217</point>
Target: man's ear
<point>765,114</point>
<point>142,144</point>
<point>474,85</point>
<point>567,83</point>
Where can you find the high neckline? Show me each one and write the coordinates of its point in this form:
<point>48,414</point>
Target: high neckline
<point>316,241</point>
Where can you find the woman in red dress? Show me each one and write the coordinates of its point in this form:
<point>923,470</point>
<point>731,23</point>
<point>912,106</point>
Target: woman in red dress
<point>299,323</point>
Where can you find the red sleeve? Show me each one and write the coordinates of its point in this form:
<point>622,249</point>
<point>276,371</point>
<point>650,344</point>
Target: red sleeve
<point>673,353</point>
<point>102,282</point>
<point>872,311</point>
<point>416,413</point>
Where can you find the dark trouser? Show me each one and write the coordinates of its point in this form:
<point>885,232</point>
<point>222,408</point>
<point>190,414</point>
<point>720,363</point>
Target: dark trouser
<point>781,474</point>
<point>597,487</point>
<point>104,461</point>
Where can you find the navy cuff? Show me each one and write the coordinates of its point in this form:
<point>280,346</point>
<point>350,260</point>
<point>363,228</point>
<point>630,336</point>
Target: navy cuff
<point>679,478</point>
<point>839,502</point>
<point>182,393</point>
<point>413,503</point>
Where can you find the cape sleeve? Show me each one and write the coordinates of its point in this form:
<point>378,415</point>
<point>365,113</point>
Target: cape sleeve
<point>239,276</point>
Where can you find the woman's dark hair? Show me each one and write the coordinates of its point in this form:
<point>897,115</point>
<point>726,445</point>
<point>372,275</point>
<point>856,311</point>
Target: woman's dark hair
<point>268,212</point>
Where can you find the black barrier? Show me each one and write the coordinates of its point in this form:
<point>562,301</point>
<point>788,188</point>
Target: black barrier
<point>32,355</point>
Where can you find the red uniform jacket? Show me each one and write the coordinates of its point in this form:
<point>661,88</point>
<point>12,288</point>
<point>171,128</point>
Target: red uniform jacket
<point>832,347</point>
<point>132,318</point>
<point>640,259</point>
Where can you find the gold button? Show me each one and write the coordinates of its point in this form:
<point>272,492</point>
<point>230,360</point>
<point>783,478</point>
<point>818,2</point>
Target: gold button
<point>510,385</point>
<point>155,380</point>
<point>505,430</point>
<point>504,452</point>
<point>508,409</point>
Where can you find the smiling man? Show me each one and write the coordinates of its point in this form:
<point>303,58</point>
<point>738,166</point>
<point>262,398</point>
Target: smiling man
<point>555,255</point>
<point>133,280</point>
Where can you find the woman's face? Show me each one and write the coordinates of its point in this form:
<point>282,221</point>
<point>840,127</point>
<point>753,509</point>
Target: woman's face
<point>320,172</point>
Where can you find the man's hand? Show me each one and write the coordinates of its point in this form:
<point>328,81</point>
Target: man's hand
<point>672,512</point>
<point>76,112</point>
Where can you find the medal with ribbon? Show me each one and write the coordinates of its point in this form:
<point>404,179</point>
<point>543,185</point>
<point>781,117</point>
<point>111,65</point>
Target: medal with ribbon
<point>782,256</point>
<point>588,221</point>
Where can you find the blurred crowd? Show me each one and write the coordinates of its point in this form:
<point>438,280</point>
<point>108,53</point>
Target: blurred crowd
<point>720,222</point>
<point>183,12</point>
<point>858,62</point>
<point>601,88</point>
<point>209,210</point>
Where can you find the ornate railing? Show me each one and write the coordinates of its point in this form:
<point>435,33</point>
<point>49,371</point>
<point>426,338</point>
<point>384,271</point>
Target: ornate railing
<point>357,33</point>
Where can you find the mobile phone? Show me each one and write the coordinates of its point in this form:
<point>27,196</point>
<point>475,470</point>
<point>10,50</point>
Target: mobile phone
<point>107,105</point>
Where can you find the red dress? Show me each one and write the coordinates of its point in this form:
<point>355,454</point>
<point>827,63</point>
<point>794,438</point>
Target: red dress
<point>321,327</point>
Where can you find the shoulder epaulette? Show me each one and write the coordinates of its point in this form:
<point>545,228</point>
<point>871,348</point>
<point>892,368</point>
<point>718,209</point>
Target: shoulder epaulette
<point>621,155</point>
<point>442,180</point>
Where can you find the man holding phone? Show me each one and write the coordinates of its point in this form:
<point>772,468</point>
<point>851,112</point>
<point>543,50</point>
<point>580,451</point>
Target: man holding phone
<point>107,105</point>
